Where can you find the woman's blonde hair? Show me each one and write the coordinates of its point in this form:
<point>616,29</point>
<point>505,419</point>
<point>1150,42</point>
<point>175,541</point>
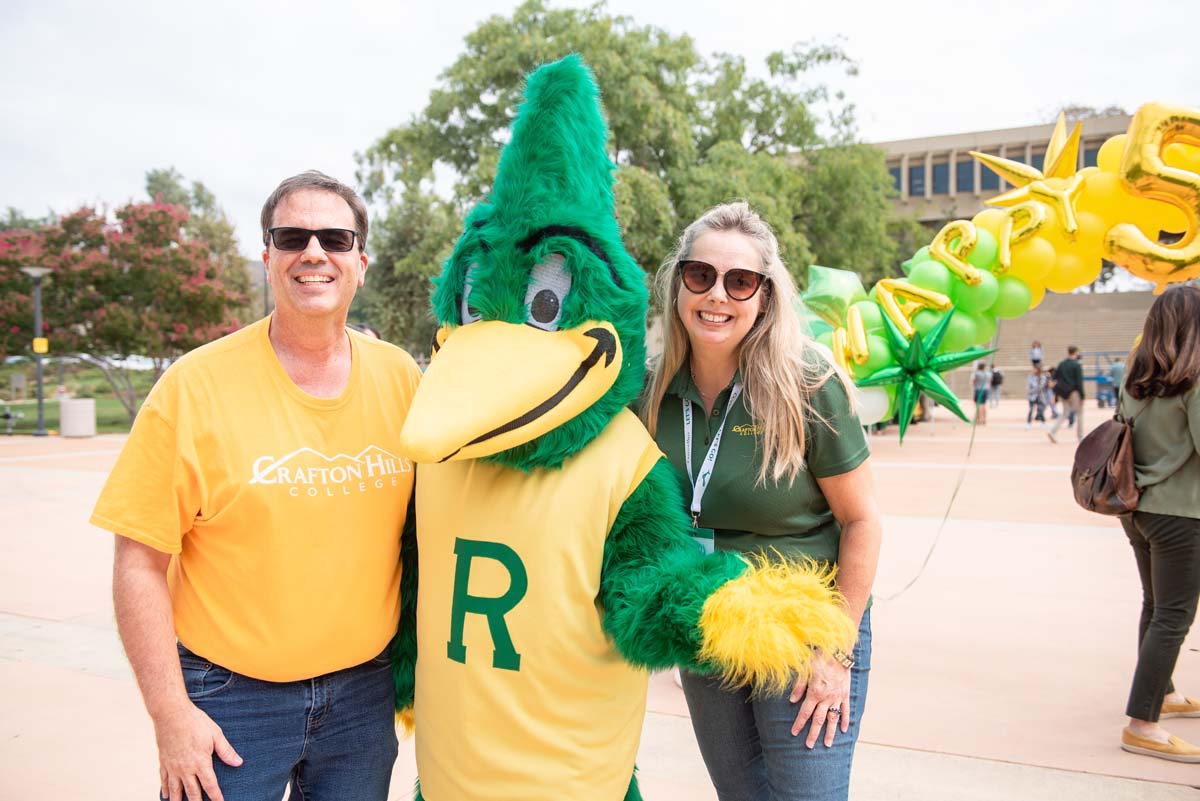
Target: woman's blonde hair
<point>779,365</point>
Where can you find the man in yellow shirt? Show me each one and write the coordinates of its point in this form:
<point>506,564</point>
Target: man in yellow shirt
<point>259,505</point>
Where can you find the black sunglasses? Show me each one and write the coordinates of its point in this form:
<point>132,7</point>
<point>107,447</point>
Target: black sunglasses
<point>333,240</point>
<point>700,276</point>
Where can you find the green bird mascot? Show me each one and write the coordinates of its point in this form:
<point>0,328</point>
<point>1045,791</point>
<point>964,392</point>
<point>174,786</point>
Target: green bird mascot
<point>555,563</point>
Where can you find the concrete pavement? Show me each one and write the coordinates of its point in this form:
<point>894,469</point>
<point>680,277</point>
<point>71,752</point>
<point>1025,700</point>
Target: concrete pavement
<point>999,673</point>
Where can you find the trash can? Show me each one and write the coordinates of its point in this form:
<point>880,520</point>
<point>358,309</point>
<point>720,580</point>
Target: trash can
<point>77,417</point>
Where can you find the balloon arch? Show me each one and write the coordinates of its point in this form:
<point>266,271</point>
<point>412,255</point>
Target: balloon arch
<point>1138,208</point>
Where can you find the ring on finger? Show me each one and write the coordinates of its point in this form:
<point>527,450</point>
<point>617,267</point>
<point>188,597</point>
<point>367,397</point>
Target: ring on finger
<point>834,710</point>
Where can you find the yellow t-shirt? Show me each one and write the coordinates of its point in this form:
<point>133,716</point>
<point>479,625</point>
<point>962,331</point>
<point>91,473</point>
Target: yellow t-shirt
<point>283,510</point>
<point>520,694</point>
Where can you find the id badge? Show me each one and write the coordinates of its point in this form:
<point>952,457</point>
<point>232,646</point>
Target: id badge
<point>705,539</point>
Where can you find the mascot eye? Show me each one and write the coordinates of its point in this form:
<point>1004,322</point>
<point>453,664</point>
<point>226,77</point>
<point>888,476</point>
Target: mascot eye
<point>549,284</point>
<point>468,312</point>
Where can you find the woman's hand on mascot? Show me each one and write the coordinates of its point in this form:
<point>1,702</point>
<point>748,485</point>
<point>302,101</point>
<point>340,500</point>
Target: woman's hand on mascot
<point>827,689</point>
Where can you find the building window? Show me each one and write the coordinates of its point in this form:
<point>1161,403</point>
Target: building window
<point>1089,156</point>
<point>895,173</point>
<point>941,179</point>
<point>964,175</point>
<point>1036,160</point>
<point>916,181</point>
<point>1015,155</point>
<point>988,180</point>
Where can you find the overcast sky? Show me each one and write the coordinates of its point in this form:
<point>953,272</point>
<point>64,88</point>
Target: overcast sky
<point>242,94</point>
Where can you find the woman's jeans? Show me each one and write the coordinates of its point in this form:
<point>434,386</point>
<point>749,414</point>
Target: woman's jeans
<point>748,747</point>
<point>1036,405</point>
<point>331,738</point>
<point>1167,549</point>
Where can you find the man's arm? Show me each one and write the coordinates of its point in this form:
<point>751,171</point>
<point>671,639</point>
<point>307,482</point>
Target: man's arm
<point>187,738</point>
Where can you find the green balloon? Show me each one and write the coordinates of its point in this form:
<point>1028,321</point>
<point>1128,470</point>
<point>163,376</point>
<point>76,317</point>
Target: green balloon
<point>983,255</point>
<point>826,338</point>
<point>960,334</point>
<point>830,293</point>
<point>976,298</point>
<point>985,327</point>
<point>919,256</point>
<point>1013,298</point>
<point>930,274</point>
<point>925,320</point>
<point>872,315</point>
<point>879,354</point>
<point>819,327</point>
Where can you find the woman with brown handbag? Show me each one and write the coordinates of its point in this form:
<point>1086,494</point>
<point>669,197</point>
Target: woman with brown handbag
<point>1162,387</point>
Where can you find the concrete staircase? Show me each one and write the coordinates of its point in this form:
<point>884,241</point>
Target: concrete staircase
<point>1093,322</point>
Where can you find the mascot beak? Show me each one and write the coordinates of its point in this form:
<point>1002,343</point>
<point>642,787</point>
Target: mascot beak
<point>492,386</point>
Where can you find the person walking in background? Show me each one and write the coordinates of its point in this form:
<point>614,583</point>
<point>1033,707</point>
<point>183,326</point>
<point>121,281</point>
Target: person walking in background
<point>1048,398</point>
<point>981,380</point>
<point>1035,353</point>
<point>1116,373</point>
<point>1068,385</point>
<point>791,479</point>
<point>1035,393</point>
<point>994,390</point>
<point>1163,391</point>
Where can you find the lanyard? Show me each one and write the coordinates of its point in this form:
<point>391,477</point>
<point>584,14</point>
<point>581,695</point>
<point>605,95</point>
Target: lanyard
<point>700,484</point>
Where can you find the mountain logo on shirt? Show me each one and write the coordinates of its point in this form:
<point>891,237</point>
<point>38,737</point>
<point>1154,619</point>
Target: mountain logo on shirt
<point>307,471</point>
<point>748,429</point>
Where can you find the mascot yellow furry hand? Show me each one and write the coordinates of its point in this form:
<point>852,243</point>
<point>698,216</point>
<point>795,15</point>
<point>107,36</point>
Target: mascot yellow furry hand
<point>555,564</point>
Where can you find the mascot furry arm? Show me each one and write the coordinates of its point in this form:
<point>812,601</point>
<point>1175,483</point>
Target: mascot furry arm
<point>555,560</point>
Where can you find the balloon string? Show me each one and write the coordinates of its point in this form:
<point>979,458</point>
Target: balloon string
<point>962,475</point>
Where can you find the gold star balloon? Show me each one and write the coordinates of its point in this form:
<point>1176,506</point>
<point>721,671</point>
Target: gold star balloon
<point>1057,184</point>
<point>919,368</point>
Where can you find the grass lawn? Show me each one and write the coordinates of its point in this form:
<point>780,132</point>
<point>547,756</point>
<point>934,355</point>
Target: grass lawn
<point>80,381</point>
<point>111,416</point>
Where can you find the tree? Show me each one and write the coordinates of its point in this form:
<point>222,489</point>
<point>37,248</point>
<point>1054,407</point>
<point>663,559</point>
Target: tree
<point>410,244</point>
<point>207,222</point>
<point>139,287</point>
<point>15,219</point>
<point>1074,112</point>
<point>685,132</point>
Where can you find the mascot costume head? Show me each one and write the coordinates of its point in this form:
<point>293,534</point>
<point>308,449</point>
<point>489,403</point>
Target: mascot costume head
<point>546,308</point>
<point>552,564</point>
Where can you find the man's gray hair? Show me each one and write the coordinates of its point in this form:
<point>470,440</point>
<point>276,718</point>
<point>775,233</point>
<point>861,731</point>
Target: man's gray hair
<point>312,179</point>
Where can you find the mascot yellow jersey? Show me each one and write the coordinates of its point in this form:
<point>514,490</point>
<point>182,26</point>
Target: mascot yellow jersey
<point>518,646</point>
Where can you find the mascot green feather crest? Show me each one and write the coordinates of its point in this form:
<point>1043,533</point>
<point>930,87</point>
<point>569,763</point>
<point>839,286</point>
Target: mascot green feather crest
<point>545,254</point>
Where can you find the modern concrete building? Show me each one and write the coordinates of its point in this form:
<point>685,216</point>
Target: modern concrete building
<point>938,180</point>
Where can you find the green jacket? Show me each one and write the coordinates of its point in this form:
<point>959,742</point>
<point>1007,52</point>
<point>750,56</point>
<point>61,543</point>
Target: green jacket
<point>1166,452</point>
<point>1068,378</point>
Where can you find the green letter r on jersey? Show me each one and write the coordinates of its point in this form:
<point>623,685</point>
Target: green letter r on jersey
<point>505,656</point>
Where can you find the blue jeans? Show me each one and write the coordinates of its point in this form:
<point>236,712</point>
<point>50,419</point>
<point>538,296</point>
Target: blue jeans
<point>332,737</point>
<point>748,747</point>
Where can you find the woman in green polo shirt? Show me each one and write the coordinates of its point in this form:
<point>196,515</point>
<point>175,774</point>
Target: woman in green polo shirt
<point>1162,388</point>
<point>743,401</point>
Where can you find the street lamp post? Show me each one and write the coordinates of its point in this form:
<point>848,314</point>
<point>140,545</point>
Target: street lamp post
<point>37,274</point>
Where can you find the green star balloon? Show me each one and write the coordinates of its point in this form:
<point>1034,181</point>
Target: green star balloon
<point>920,368</point>
<point>831,292</point>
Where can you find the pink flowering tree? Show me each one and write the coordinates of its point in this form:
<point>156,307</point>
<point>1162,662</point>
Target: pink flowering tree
<point>137,287</point>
